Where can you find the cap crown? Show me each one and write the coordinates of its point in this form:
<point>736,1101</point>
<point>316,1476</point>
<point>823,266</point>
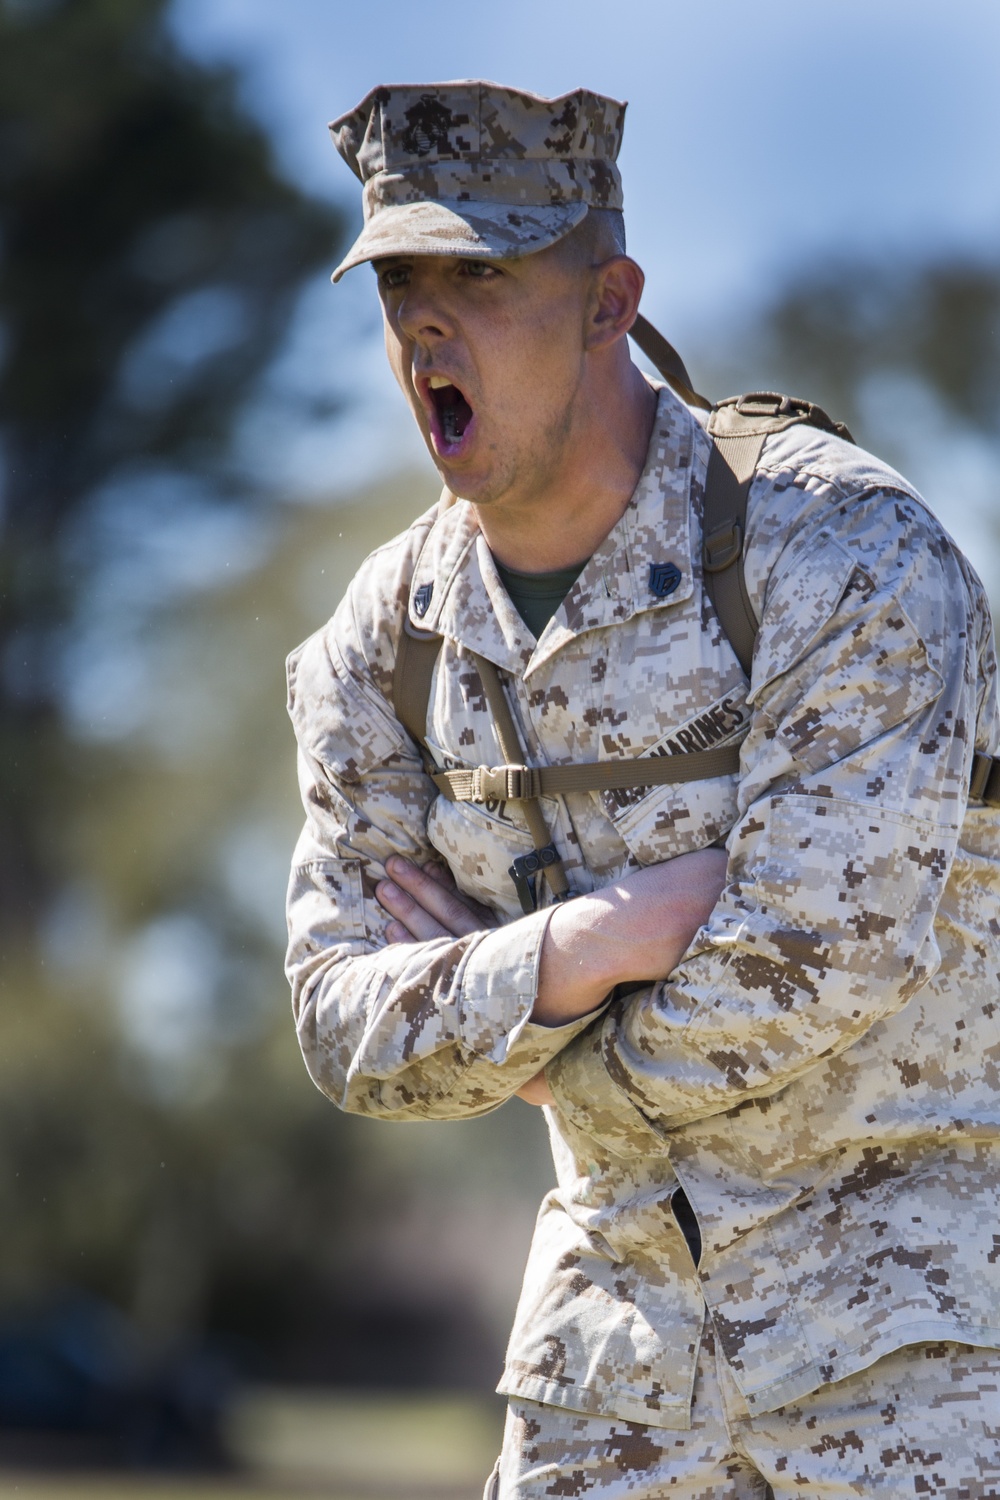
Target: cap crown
<point>473,141</point>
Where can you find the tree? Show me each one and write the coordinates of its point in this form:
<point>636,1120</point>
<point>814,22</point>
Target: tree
<point>150,256</point>
<point>830,332</point>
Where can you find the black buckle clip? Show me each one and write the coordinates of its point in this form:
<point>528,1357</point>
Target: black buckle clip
<point>523,872</point>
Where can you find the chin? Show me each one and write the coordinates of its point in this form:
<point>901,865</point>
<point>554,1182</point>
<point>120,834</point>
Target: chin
<point>477,489</point>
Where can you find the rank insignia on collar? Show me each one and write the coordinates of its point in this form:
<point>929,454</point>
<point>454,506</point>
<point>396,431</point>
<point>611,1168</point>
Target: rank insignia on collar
<point>422,598</point>
<point>663,578</point>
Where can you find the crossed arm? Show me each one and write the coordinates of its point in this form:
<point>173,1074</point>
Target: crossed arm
<point>636,929</point>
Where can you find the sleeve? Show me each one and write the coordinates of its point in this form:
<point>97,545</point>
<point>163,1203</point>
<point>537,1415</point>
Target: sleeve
<point>436,1030</point>
<point>853,790</point>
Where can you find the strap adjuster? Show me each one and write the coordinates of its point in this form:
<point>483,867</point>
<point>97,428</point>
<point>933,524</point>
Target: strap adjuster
<point>502,784</point>
<point>771,404</point>
<point>722,548</point>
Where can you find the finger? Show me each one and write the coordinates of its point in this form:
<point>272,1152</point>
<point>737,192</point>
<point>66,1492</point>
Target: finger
<point>417,921</point>
<point>453,912</point>
<point>437,870</point>
<point>395,932</point>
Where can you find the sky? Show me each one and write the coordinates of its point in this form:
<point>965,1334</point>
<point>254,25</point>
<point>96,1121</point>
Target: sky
<point>759,140</point>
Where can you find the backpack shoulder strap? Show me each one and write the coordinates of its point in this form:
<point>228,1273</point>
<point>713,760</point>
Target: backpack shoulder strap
<point>739,428</point>
<point>416,656</point>
<point>731,467</point>
<point>417,652</point>
<point>664,356</point>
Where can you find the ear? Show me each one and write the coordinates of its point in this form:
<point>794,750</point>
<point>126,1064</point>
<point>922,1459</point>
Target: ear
<point>615,294</point>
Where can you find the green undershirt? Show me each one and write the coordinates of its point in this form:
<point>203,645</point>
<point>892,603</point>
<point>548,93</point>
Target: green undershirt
<point>537,596</point>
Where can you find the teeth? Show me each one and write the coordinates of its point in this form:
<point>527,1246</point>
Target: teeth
<point>436,382</point>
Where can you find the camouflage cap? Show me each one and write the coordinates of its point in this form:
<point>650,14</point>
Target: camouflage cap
<point>473,168</point>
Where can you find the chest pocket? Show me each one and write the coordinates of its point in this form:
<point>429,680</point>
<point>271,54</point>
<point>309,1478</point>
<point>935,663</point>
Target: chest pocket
<point>672,820</point>
<point>480,843</point>
<point>661,822</point>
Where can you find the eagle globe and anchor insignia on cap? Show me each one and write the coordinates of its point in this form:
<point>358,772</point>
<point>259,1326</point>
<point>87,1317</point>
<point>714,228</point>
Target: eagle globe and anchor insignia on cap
<point>663,578</point>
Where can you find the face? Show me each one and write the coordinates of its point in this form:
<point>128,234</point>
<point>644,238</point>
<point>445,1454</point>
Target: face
<point>489,355</point>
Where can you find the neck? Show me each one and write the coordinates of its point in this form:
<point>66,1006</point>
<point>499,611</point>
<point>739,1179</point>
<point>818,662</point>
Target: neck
<point>563,518</point>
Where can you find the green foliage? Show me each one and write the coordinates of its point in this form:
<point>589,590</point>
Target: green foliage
<point>832,331</point>
<point>130,180</point>
<point>150,255</point>
<point>160,1143</point>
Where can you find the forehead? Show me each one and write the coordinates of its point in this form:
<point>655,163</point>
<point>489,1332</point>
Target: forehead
<point>436,262</point>
<point>519,267</point>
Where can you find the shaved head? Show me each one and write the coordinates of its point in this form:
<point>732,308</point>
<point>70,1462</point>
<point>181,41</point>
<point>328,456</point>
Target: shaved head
<point>597,238</point>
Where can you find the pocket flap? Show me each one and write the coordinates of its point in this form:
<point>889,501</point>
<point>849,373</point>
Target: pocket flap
<point>800,601</point>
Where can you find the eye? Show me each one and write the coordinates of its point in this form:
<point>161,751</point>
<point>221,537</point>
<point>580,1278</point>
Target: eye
<point>478,270</point>
<point>392,277</point>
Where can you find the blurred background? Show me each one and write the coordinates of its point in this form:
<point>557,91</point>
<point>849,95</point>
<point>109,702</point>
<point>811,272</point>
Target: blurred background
<point>206,1272</point>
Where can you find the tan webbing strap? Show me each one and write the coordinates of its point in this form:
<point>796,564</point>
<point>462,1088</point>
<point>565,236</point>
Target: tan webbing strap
<point>416,654</point>
<point>731,468</point>
<point>510,749</point>
<point>730,473</point>
<point>513,782</point>
<point>666,359</point>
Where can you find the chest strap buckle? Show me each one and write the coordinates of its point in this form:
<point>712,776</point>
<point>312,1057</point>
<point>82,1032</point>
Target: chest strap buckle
<point>503,784</point>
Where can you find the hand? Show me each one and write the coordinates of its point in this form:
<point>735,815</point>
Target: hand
<point>424,903</point>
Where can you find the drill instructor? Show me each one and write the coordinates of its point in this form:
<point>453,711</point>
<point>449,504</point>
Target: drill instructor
<point>766,1028</point>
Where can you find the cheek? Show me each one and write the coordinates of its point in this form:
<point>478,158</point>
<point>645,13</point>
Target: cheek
<point>398,351</point>
<point>400,360</point>
<point>551,351</point>
<point>535,384</point>
<point>394,352</point>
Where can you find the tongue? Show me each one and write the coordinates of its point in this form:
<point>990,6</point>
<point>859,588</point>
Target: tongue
<point>456,413</point>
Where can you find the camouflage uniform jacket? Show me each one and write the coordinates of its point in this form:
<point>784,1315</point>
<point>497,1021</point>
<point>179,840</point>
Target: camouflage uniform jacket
<point>820,1072</point>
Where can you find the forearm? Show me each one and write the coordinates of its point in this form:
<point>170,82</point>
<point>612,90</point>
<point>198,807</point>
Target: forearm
<point>636,929</point>
<point>433,1029</point>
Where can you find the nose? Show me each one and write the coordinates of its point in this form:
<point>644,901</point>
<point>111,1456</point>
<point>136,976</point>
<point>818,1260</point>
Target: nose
<point>421,314</point>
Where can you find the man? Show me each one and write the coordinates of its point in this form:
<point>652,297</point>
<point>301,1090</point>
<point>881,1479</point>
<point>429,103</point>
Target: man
<point>769,1074</point>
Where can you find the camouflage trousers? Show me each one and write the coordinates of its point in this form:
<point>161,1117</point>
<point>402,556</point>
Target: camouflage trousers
<point>920,1423</point>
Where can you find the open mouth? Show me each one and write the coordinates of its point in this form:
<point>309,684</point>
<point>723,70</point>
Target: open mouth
<point>453,415</point>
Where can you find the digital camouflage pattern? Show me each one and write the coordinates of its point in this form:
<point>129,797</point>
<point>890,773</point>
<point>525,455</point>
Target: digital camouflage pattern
<point>919,1423</point>
<point>474,168</point>
<point>821,1071</point>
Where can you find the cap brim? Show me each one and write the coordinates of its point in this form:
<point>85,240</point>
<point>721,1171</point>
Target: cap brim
<point>486,231</point>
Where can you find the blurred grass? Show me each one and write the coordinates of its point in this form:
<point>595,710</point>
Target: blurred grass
<point>437,1444</point>
<point>344,1447</point>
<point>111,1488</point>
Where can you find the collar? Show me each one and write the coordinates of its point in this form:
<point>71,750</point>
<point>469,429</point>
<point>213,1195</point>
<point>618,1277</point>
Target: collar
<point>644,563</point>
